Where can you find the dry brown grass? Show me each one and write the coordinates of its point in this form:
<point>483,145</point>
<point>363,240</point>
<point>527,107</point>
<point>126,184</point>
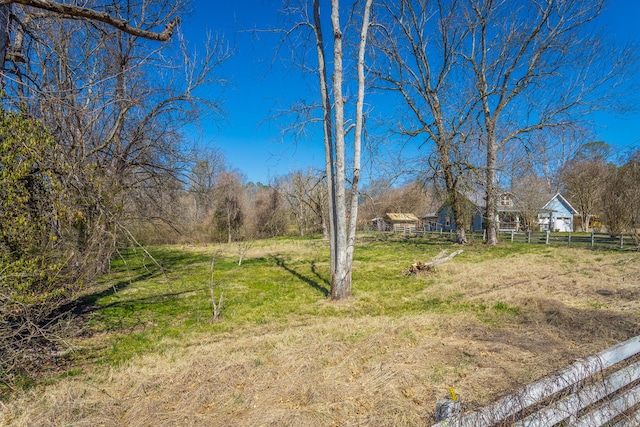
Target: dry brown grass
<point>382,370</point>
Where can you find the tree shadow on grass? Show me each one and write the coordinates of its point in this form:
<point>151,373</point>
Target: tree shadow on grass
<point>87,303</point>
<point>314,284</point>
<point>169,259</point>
<point>318,275</point>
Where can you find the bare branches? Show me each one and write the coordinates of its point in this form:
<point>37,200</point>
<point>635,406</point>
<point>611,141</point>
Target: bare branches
<point>432,88</point>
<point>533,71</point>
<point>306,194</point>
<point>493,73</point>
<point>77,12</point>
<point>114,106</point>
<point>332,81</point>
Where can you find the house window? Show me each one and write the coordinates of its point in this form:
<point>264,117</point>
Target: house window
<point>447,221</point>
<point>505,200</point>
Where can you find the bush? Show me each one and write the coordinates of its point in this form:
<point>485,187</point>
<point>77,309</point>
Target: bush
<point>35,277</point>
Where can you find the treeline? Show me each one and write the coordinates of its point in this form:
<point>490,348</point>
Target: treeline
<point>604,191</point>
<point>213,204</point>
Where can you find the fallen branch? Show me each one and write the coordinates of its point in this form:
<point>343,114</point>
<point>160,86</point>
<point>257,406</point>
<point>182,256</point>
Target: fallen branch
<point>420,266</point>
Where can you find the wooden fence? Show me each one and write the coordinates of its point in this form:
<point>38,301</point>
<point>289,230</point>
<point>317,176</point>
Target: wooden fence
<point>599,390</point>
<point>619,241</point>
<point>592,240</point>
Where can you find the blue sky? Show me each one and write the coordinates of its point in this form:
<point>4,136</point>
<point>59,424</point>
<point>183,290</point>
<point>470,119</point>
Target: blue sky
<point>261,84</point>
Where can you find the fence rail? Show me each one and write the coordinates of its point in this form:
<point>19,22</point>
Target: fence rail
<point>599,390</point>
<point>592,240</point>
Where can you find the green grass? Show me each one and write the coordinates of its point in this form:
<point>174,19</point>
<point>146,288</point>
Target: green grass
<point>138,305</point>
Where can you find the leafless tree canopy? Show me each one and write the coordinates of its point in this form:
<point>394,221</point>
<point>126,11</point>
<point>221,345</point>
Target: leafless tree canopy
<point>306,195</point>
<point>493,74</point>
<point>113,104</point>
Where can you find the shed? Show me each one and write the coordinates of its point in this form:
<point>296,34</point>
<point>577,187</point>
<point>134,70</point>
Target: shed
<point>402,221</point>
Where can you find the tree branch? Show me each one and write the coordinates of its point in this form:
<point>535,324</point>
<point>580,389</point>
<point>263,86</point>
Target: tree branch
<point>77,12</point>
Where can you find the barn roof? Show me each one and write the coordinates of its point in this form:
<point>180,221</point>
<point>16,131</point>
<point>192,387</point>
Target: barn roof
<point>402,217</point>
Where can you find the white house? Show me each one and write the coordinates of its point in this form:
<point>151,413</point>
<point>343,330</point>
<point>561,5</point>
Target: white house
<point>557,214</point>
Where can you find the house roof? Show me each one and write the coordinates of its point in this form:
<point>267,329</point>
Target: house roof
<point>478,200</point>
<point>406,217</point>
<point>563,201</point>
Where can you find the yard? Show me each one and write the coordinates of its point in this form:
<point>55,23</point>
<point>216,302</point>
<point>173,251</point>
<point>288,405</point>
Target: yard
<point>148,352</point>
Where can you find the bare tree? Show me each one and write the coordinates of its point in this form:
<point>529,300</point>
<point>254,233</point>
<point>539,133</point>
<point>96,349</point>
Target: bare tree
<point>342,214</point>
<point>413,197</point>
<point>229,213</point>
<point>496,73</point>
<point>269,213</point>
<point>113,104</point>
<point>213,284</point>
<point>621,199</point>
<point>342,180</point>
<point>584,179</point>
<point>532,192</point>
<point>535,66</point>
<point>208,166</point>
<point>306,195</point>
<point>116,107</point>
<point>419,44</point>
<point>549,152</point>
<point>71,11</point>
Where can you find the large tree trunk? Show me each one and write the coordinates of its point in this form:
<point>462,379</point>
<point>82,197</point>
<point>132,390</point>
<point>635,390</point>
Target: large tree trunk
<point>491,192</point>
<point>341,228</point>
<point>341,276</point>
<point>455,198</point>
<point>327,123</point>
<point>357,137</point>
<point>459,217</point>
<point>586,221</point>
<point>325,229</point>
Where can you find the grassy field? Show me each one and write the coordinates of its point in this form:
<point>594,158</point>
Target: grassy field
<point>149,353</point>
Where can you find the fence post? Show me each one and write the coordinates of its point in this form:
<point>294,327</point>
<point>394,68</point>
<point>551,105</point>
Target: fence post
<point>529,236</point>
<point>484,234</point>
<point>593,239</point>
<point>621,240</point>
<point>546,241</point>
<point>512,236</point>
<point>569,240</point>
